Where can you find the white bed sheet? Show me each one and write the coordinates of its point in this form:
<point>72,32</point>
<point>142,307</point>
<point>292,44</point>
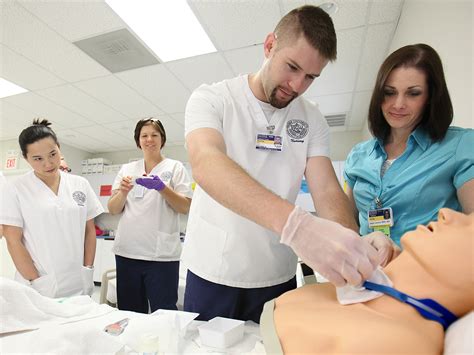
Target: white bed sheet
<point>32,323</point>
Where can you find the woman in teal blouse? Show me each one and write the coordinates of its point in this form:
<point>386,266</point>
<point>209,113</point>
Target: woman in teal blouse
<point>416,163</point>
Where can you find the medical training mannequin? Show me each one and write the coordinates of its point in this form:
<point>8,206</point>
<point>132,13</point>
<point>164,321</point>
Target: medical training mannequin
<point>437,263</point>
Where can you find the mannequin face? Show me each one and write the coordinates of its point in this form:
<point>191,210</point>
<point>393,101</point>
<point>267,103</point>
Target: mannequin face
<point>445,247</point>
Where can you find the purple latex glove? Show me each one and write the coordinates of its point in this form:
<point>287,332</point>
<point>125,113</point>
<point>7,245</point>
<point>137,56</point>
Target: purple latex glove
<point>152,183</point>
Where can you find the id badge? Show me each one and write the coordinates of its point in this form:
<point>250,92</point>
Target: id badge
<point>269,142</point>
<point>380,217</point>
<point>138,191</point>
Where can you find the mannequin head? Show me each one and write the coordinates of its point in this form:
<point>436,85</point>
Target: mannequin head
<point>445,247</point>
<point>436,263</point>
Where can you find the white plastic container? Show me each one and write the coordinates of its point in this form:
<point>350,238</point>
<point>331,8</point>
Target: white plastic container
<point>221,332</point>
<point>149,344</point>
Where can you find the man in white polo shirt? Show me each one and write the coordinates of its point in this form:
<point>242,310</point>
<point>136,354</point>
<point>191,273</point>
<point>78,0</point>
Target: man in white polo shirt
<point>250,141</point>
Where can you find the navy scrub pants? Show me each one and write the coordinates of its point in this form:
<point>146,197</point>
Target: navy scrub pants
<point>214,300</point>
<point>140,282</point>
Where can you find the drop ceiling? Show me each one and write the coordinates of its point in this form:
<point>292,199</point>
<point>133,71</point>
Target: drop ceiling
<point>96,110</point>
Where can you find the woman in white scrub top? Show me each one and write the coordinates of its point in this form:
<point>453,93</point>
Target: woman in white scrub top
<point>147,245</point>
<point>2,182</point>
<point>48,219</point>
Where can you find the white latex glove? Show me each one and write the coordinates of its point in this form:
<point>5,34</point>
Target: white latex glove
<point>45,285</point>
<point>385,247</point>
<point>337,253</point>
<point>87,275</point>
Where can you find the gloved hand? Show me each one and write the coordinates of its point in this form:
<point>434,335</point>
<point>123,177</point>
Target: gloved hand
<point>152,182</point>
<point>337,253</point>
<point>385,247</point>
<point>45,285</point>
<point>87,276</point>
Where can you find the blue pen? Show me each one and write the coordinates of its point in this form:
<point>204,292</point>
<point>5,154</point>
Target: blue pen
<point>427,307</point>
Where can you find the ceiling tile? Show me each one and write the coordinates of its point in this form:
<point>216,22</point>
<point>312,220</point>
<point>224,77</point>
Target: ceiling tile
<point>288,5</point>
<point>70,89</point>
<point>112,91</point>
<point>25,34</point>
<point>158,85</point>
<point>82,104</point>
<point>38,106</point>
<point>360,109</point>
<point>350,14</point>
<point>23,72</point>
<point>203,69</point>
<point>245,60</point>
<point>375,50</point>
<point>339,77</point>
<point>124,128</point>
<point>103,134</point>
<point>81,141</point>
<point>13,120</point>
<point>332,104</point>
<point>178,117</point>
<point>337,129</point>
<point>234,24</point>
<point>174,131</point>
<point>385,11</point>
<point>68,19</point>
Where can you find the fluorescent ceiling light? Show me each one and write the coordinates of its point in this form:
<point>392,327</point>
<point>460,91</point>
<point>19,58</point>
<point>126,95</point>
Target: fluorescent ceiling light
<point>168,27</point>
<point>7,88</point>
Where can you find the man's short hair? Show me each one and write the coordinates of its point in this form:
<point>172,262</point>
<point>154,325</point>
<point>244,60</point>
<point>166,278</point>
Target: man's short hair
<point>314,24</point>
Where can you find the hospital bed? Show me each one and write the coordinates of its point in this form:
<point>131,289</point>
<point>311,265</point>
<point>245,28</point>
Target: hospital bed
<point>31,323</point>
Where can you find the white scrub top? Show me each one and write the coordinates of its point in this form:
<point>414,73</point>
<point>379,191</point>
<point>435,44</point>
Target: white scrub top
<point>3,181</point>
<point>53,226</point>
<point>220,245</point>
<point>149,228</point>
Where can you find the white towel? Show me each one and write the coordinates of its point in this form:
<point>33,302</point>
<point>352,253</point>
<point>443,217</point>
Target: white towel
<point>23,308</point>
<point>357,294</point>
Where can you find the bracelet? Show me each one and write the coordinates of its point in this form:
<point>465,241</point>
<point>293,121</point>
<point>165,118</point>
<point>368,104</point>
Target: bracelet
<point>89,266</point>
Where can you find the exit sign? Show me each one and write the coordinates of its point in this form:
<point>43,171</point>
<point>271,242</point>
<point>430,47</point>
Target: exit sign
<point>11,163</point>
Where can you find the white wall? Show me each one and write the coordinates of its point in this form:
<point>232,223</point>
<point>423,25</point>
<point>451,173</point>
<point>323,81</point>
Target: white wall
<point>72,155</point>
<point>173,152</point>
<point>342,143</point>
<point>446,26</point>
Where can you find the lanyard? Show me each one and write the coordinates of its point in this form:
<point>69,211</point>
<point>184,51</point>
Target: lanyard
<point>427,307</point>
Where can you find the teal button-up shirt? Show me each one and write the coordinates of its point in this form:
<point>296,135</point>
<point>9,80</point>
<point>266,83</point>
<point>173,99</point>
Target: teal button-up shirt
<point>422,180</point>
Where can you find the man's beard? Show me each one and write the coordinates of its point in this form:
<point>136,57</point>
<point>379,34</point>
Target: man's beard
<point>277,103</point>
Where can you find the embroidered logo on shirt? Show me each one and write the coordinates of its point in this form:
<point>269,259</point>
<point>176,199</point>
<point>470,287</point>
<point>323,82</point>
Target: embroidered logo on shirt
<point>166,176</point>
<point>79,197</point>
<point>297,130</point>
